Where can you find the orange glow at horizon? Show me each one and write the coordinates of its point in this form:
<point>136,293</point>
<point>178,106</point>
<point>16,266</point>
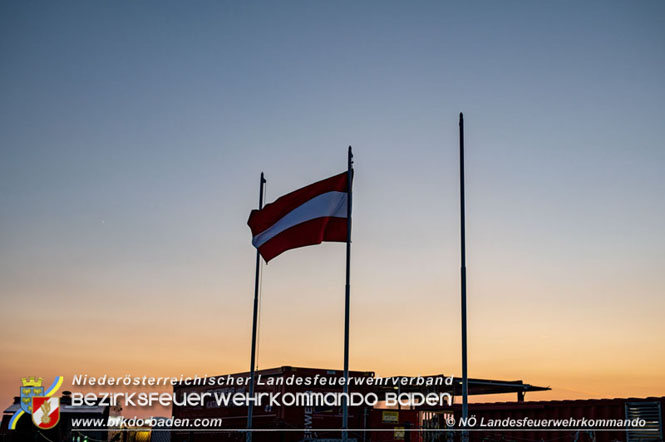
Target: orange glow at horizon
<point>587,360</point>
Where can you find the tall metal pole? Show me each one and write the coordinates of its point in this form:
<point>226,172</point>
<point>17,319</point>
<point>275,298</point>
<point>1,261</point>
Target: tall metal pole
<point>250,407</point>
<point>465,380</point>
<point>347,298</point>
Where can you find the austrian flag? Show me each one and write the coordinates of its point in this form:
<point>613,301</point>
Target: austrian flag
<point>304,217</point>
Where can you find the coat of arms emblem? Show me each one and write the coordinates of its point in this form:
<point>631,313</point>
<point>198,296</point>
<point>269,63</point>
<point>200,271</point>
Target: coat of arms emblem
<point>42,405</point>
<point>31,387</point>
<point>46,411</point>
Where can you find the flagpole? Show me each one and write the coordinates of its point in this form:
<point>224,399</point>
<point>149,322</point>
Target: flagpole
<point>252,364</point>
<point>465,380</point>
<point>347,297</point>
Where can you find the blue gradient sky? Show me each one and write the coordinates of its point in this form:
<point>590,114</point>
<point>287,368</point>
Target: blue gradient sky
<point>132,135</point>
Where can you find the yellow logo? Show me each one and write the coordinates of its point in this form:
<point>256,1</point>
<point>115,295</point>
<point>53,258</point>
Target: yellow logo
<point>32,382</point>
<point>34,400</point>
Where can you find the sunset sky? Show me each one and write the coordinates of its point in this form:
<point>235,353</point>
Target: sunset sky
<point>132,136</point>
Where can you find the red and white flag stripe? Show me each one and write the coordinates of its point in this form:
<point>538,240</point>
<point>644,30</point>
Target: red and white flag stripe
<point>304,217</point>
